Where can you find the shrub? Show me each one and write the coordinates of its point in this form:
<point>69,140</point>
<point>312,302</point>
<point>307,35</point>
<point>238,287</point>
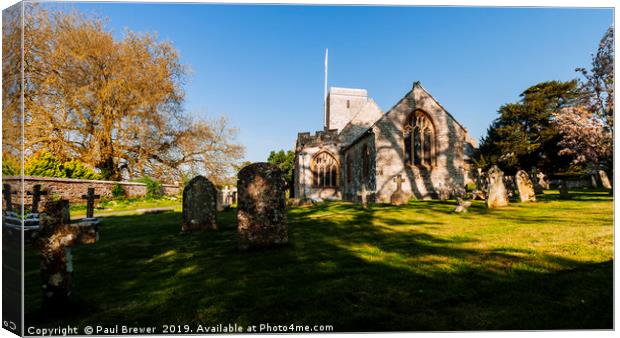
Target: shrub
<point>44,164</point>
<point>153,187</point>
<point>10,165</point>
<point>118,192</point>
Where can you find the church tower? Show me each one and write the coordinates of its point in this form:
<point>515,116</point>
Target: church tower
<point>342,105</point>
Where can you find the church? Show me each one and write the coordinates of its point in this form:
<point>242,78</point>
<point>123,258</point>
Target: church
<point>416,145</point>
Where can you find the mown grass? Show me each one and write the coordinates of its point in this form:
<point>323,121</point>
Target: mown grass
<point>122,205</point>
<point>543,265</point>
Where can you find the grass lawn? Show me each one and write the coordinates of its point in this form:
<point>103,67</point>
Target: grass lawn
<point>125,206</point>
<point>544,265</point>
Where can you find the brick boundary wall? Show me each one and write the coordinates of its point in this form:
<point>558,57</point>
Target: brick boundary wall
<point>73,189</point>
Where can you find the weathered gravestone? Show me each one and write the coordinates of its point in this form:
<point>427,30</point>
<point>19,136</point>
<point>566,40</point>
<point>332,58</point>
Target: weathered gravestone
<point>54,240</point>
<point>399,197</point>
<point>7,195</point>
<point>199,205</point>
<point>604,179</point>
<point>525,187</point>
<point>496,196</point>
<point>261,209</point>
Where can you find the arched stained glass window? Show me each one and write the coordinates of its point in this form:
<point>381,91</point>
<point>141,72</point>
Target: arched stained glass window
<point>419,137</point>
<point>324,170</point>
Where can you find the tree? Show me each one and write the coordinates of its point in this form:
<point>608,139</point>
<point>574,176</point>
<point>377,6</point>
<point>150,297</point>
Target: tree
<point>285,161</point>
<point>598,83</point>
<point>114,104</point>
<point>584,136</point>
<point>523,135</point>
<point>587,127</point>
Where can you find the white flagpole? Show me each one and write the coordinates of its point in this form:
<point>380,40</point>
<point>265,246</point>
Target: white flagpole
<point>325,93</point>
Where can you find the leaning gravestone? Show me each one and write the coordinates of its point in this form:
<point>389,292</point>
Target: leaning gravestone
<point>261,208</point>
<point>525,187</point>
<point>496,195</point>
<point>604,179</point>
<point>199,204</point>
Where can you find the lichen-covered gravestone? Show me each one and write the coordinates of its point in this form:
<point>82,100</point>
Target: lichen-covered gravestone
<point>261,208</point>
<point>199,204</point>
<point>525,187</point>
<point>496,195</point>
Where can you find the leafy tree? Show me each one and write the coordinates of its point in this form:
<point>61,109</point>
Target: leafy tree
<point>10,165</point>
<point>587,128</point>
<point>598,83</point>
<point>285,161</point>
<point>116,104</point>
<point>523,135</point>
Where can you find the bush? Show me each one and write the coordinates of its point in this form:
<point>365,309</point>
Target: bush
<point>153,187</point>
<point>118,192</point>
<point>44,164</point>
<point>10,165</point>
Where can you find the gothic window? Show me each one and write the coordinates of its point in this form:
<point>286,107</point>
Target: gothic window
<point>365,162</point>
<point>419,140</point>
<point>324,170</point>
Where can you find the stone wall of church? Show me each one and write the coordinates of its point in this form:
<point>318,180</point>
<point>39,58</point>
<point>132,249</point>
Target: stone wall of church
<point>308,146</point>
<point>352,186</point>
<point>389,139</point>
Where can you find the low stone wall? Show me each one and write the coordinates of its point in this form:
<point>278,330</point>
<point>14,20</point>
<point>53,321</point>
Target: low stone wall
<point>73,189</point>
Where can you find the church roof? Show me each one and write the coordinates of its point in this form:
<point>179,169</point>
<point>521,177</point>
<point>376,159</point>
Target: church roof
<point>415,84</point>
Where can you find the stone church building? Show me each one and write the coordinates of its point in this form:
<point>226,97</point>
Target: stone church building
<point>416,143</point>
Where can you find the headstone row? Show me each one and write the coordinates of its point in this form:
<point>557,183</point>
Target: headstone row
<point>261,209</point>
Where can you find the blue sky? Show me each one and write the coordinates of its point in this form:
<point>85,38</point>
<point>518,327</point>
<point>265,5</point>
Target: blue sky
<point>262,65</point>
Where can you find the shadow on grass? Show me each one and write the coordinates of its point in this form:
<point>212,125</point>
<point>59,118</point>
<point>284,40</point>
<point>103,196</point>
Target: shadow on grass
<point>344,266</point>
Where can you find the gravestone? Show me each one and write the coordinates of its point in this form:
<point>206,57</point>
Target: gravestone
<point>542,180</point>
<point>199,205</point>
<point>54,240</point>
<point>496,196</point>
<point>261,209</point>
<point>36,194</point>
<point>399,197</point>
<point>604,179</point>
<point>525,187</point>
<point>220,201</point>
<point>363,197</point>
<point>7,195</point>
<point>90,198</point>
<point>564,190</point>
<point>538,189</point>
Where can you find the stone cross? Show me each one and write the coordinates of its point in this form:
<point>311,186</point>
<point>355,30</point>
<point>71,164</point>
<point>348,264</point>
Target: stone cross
<point>36,197</point>
<point>54,240</point>
<point>90,202</point>
<point>399,182</point>
<point>6,193</point>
